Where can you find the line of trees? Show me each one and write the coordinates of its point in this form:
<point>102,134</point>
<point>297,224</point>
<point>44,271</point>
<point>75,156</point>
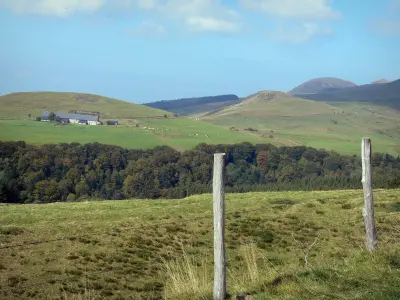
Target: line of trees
<point>69,172</point>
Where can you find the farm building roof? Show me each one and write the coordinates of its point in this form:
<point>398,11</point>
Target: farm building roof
<point>71,116</point>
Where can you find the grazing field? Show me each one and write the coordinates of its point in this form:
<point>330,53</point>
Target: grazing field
<point>179,133</point>
<point>265,117</point>
<point>280,245</point>
<point>341,131</point>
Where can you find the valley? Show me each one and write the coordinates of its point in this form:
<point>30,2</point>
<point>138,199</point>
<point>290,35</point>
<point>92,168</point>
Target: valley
<point>199,150</point>
<point>279,118</point>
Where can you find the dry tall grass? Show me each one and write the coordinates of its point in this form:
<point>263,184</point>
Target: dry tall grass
<point>187,279</point>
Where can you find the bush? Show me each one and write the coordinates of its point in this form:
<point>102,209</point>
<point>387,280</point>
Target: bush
<point>250,129</point>
<point>38,118</point>
<point>71,197</point>
<point>52,116</point>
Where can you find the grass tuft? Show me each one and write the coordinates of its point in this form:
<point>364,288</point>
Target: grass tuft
<point>186,278</point>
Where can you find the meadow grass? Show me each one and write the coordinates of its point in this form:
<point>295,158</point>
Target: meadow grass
<point>282,120</point>
<point>178,133</point>
<point>340,132</point>
<point>280,245</point>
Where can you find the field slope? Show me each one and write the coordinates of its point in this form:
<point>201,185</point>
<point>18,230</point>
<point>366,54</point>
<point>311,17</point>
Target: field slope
<point>286,120</point>
<point>287,245</point>
<point>179,133</point>
<point>19,105</point>
<point>273,103</point>
<point>153,128</point>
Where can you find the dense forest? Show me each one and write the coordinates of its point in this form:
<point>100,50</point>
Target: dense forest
<point>74,172</point>
<point>187,106</point>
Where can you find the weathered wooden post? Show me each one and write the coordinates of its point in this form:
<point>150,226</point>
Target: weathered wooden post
<point>219,228</point>
<point>368,210</point>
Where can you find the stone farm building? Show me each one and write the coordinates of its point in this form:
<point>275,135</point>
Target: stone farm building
<point>73,118</point>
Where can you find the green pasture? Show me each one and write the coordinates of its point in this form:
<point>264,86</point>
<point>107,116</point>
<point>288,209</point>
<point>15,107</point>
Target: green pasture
<point>280,245</point>
<point>179,133</point>
<point>341,132</point>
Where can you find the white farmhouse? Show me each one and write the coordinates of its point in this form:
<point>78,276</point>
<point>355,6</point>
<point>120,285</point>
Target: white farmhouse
<point>73,118</point>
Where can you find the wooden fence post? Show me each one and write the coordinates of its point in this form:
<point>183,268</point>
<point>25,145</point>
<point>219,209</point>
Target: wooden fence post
<point>368,210</point>
<point>219,292</point>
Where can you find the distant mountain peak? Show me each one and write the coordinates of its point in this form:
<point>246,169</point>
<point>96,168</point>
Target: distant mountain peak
<point>317,85</point>
<point>380,81</point>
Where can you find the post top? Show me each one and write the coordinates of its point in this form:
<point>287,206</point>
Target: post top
<point>219,154</point>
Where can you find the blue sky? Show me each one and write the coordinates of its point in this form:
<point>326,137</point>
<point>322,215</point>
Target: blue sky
<point>148,50</point>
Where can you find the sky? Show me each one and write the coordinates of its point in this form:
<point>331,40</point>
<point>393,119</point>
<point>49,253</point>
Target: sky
<point>150,50</point>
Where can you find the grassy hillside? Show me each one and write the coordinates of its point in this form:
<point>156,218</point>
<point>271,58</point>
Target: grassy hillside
<point>273,103</point>
<point>317,85</point>
<point>19,105</point>
<point>286,120</point>
<point>180,133</point>
<point>273,117</point>
<point>290,245</point>
<point>190,106</point>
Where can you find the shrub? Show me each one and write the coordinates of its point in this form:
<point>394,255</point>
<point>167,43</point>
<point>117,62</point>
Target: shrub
<point>71,197</point>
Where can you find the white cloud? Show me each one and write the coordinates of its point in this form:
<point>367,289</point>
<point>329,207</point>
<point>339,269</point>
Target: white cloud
<point>295,21</point>
<point>299,33</point>
<point>293,9</point>
<point>60,8</point>
<point>198,15</point>
<point>211,24</point>
<point>148,27</point>
<point>147,4</point>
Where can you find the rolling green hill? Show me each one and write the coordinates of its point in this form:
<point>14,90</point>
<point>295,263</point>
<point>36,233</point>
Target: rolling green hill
<point>19,105</point>
<point>273,103</point>
<point>181,133</point>
<point>265,117</point>
<point>286,120</point>
<point>280,245</point>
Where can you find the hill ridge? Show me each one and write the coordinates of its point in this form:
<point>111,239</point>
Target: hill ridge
<point>319,84</point>
<point>268,103</point>
<point>20,104</point>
